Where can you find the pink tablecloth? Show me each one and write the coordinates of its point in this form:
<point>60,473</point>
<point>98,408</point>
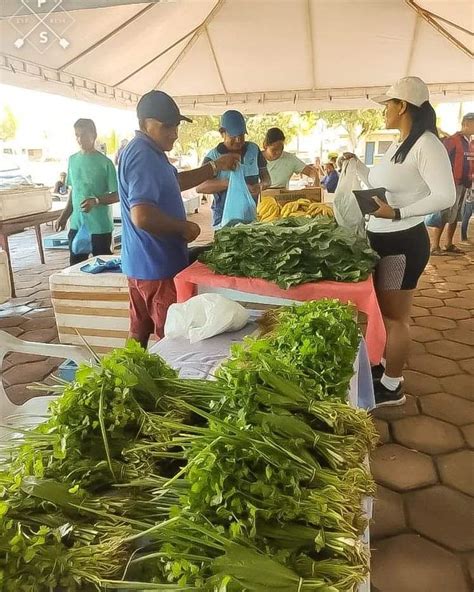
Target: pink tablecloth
<point>361,294</point>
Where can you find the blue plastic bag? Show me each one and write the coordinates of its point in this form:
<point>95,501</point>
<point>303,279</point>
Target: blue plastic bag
<point>240,206</point>
<point>101,266</point>
<point>82,242</point>
<point>434,220</point>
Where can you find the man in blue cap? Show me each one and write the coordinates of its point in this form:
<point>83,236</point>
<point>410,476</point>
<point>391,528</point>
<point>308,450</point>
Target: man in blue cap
<point>155,232</point>
<point>233,130</point>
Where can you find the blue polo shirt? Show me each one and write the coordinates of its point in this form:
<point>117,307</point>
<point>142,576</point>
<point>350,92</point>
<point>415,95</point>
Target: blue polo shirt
<point>147,177</point>
<point>252,161</point>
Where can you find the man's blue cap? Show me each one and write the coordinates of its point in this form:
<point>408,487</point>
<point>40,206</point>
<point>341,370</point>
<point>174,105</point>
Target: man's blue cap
<point>233,123</point>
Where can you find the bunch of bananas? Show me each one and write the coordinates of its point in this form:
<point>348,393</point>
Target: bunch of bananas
<point>268,209</point>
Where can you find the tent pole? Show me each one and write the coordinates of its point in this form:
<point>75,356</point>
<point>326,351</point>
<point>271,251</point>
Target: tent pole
<point>427,16</point>
<point>190,43</point>
<point>108,36</point>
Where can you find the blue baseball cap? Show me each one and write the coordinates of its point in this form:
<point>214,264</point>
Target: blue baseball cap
<point>233,123</point>
<point>158,105</point>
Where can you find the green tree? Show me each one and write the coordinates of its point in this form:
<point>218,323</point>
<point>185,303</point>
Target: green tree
<point>199,136</point>
<point>357,123</point>
<point>258,125</point>
<point>8,125</point>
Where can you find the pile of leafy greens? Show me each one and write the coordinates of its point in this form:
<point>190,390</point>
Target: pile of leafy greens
<point>291,251</point>
<point>249,483</point>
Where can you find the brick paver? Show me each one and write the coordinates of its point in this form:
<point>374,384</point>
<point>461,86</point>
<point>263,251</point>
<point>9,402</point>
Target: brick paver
<point>423,531</point>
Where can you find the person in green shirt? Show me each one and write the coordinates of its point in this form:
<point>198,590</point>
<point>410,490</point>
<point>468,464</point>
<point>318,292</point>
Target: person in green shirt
<point>93,181</point>
<point>283,165</point>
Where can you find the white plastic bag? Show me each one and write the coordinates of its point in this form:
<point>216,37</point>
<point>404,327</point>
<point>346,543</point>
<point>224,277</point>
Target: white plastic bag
<point>346,208</point>
<point>204,316</point>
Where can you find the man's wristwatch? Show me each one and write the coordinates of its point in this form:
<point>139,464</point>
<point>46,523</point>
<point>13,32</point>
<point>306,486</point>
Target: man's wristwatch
<point>397,214</point>
<point>97,201</point>
<point>213,167</point>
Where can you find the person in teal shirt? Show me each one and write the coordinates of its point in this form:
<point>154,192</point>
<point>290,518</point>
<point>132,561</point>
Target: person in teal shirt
<point>283,165</point>
<point>93,181</point>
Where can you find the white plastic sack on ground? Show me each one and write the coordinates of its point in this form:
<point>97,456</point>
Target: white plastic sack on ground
<point>204,316</point>
<point>346,208</point>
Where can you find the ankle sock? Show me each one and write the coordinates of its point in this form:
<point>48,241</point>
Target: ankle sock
<point>391,383</point>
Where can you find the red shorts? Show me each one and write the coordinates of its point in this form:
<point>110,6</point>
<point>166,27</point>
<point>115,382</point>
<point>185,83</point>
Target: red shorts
<point>149,303</point>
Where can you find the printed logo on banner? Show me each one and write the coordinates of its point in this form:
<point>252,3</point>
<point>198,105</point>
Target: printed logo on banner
<point>41,24</point>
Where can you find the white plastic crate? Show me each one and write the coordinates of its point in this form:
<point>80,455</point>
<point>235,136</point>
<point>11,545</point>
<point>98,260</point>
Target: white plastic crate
<point>24,201</point>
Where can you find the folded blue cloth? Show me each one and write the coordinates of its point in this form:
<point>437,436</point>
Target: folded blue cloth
<point>100,266</point>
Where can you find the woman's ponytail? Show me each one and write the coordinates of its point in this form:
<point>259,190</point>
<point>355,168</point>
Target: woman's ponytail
<point>423,120</point>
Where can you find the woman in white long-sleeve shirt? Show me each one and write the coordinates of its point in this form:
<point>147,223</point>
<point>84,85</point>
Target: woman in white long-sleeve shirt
<point>417,176</point>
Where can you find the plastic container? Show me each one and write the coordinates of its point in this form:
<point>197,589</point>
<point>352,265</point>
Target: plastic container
<point>24,201</point>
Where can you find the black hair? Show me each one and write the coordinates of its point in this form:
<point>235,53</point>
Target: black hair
<point>274,134</point>
<point>86,124</point>
<point>467,117</point>
<point>423,120</point>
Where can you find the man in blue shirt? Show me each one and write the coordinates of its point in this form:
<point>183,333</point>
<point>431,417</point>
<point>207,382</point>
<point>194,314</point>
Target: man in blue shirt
<point>331,179</point>
<point>233,130</point>
<point>155,230</point>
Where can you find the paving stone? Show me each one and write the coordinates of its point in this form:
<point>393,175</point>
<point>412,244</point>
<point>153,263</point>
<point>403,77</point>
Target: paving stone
<point>448,408</point>
<point>456,470</point>
<point>382,430</point>
<point>15,331</point>
<point>466,303</point>
<point>20,393</point>
<point>443,515</point>
<point>16,359</point>
<point>388,517</point>
<point>418,311</point>
<point>449,312</point>
<point>14,311</point>
<point>13,321</point>
<point>460,336</point>
<point>427,302</point>
<point>401,469</point>
<point>468,433</point>
<point>451,286</point>
<point>468,366</point>
<point>40,313</point>
<point>449,349</point>
<point>41,335</point>
<point>427,434</point>
<point>424,334</point>
<point>417,348</point>
<point>417,383</point>
<point>466,294</point>
<point>397,411</point>
<point>459,278</point>
<point>39,323</point>
<point>466,324</point>
<point>439,293</point>
<point>433,365</point>
<point>28,373</point>
<point>436,323</point>
<point>460,385</point>
<point>410,563</point>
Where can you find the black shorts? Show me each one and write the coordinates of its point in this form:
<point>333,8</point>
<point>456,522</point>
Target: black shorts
<point>101,245</point>
<point>403,257</point>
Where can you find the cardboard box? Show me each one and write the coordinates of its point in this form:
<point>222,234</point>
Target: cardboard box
<point>283,196</point>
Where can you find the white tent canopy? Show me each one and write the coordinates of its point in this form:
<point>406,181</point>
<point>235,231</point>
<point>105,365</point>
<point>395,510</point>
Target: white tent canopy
<point>257,55</point>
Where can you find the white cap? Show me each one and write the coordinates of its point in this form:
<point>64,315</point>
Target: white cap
<point>410,89</point>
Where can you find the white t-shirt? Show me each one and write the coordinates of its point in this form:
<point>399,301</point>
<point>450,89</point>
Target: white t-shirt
<point>420,185</point>
<point>282,169</point>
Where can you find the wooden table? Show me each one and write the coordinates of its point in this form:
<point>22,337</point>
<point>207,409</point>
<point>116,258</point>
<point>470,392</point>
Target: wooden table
<point>17,225</point>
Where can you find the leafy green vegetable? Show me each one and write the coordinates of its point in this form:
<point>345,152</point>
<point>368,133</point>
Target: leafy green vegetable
<point>291,251</point>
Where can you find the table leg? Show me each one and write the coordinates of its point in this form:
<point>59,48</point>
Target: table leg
<point>39,240</point>
<point>5,247</point>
